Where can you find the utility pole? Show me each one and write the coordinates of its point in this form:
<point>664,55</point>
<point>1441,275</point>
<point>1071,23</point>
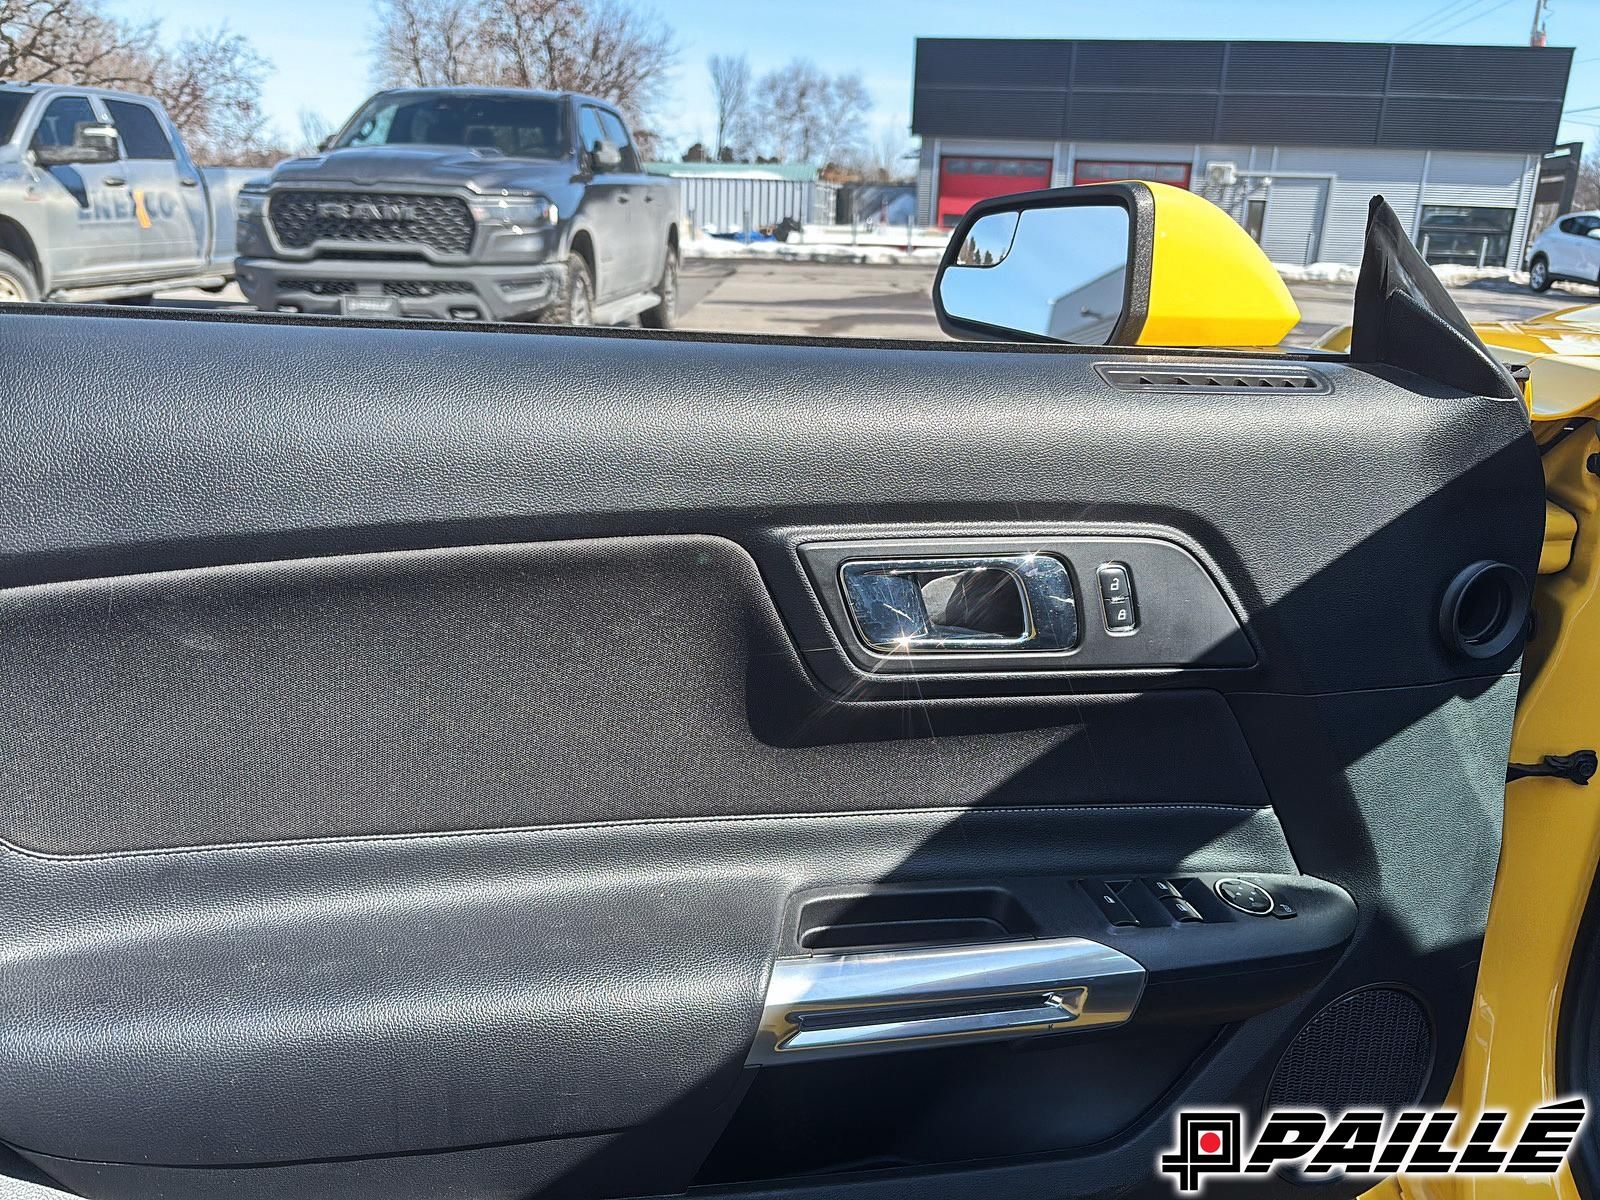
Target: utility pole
<point>1540,10</point>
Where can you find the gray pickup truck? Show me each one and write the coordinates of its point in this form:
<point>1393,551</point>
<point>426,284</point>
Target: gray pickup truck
<point>99,199</point>
<point>467,204</point>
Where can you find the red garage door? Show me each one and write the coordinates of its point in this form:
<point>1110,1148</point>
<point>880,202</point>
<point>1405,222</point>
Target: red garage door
<point>964,180</point>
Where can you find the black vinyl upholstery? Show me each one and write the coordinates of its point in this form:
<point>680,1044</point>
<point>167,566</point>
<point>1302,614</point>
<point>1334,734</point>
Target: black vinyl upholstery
<point>414,737</point>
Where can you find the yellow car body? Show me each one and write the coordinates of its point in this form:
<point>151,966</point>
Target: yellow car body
<point>1552,837</point>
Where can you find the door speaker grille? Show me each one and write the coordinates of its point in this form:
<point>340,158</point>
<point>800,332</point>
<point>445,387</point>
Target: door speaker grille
<point>1213,378</point>
<point>1372,1048</point>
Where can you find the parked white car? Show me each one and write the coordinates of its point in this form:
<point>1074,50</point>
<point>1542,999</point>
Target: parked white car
<point>1569,249</point>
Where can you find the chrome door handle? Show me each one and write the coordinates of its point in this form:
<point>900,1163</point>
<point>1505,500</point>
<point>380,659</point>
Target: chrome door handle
<point>114,181</point>
<point>829,1006</point>
<point>976,604</point>
<point>185,181</point>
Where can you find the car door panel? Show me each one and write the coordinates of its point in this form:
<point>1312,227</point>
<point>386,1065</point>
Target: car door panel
<point>428,796</point>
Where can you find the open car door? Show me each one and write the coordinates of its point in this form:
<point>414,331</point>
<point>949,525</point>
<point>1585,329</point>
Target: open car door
<point>537,764</point>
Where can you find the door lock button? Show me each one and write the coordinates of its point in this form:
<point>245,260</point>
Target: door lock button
<point>1247,897</point>
<point>1116,595</point>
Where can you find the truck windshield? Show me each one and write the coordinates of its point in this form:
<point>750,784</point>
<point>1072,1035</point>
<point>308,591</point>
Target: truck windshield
<point>517,126</point>
<point>11,106</point>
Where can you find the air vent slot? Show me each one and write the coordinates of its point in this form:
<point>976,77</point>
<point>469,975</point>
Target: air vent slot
<point>1209,377</point>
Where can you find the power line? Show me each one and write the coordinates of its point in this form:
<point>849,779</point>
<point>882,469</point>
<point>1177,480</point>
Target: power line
<point>1431,27</point>
<point>1486,12</point>
<point>1429,19</point>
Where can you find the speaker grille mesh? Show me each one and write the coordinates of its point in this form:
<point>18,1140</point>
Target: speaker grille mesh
<point>1372,1048</point>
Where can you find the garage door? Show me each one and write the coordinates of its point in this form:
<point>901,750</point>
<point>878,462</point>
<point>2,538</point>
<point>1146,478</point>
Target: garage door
<point>1292,229</point>
<point>964,180</point>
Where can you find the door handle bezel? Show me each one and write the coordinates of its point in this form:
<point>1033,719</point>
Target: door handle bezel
<point>838,1005</point>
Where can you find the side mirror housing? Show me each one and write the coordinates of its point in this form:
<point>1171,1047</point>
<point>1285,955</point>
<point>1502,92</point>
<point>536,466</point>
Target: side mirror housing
<point>90,144</point>
<point>607,156</point>
<point>1116,264</point>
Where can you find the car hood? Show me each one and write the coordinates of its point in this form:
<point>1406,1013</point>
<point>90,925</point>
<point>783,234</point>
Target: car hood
<point>435,166</point>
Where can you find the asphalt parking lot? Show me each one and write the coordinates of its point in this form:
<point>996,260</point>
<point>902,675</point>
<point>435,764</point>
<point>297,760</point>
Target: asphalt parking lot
<point>851,300</point>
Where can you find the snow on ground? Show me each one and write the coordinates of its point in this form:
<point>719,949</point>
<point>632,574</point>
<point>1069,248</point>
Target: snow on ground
<point>892,246</point>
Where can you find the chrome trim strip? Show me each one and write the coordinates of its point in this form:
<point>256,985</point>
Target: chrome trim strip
<point>833,1005</point>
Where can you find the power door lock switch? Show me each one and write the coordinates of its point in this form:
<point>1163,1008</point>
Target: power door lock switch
<point>1116,596</point>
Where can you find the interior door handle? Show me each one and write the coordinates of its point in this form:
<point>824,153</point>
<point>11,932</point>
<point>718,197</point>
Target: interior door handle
<point>115,181</point>
<point>829,1006</point>
<point>977,603</point>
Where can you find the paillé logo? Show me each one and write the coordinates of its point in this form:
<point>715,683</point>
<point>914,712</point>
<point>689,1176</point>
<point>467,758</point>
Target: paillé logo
<point>1365,1142</point>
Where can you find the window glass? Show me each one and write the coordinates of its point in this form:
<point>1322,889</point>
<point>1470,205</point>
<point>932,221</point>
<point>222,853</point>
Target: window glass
<point>1465,235</point>
<point>11,106</point>
<point>61,120</point>
<point>617,134</point>
<point>516,126</point>
<point>1177,174</point>
<point>141,132</point>
<point>589,131</point>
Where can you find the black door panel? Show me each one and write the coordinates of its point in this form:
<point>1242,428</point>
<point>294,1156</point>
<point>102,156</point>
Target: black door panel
<point>421,745</point>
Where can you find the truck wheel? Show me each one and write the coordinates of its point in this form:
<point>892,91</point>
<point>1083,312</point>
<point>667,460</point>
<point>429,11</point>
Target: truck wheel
<point>665,314</point>
<point>576,306</point>
<point>17,285</point>
<point>1539,274</point>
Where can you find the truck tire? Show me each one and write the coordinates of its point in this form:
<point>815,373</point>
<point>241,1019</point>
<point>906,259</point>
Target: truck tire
<point>665,314</point>
<point>576,306</point>
<point>17,285</point>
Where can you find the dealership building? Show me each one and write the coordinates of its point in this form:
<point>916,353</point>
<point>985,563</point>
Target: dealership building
<point>1292,138</point>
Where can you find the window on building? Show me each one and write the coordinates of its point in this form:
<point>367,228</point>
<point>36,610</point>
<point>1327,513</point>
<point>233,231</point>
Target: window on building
<point>1100,171</point>
<point>140,129</point>
<point>1474,237</point>
<point>1255,219</point>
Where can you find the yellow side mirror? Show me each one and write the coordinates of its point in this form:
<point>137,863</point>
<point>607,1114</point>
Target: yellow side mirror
<point>1126,264</point>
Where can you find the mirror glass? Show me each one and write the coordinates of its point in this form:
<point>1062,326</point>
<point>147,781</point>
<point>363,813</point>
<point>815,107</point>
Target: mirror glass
<point>1055,272</point>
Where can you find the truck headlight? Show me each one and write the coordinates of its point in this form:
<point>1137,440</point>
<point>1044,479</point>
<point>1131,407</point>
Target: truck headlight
<point>250,203</point>
<point>527,211</point>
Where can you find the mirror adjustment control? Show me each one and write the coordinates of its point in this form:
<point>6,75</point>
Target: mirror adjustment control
<point>1109,903</point>
<point>1245,896</point>
<point>1181,910</point>
<point>1116,596</point>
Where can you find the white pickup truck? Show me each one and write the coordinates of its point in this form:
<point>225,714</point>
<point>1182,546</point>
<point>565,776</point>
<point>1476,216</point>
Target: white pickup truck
<point>99,199</point>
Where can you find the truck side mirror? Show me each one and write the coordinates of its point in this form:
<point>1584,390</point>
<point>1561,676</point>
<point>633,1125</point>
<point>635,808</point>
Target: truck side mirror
<point>607,156</point>
<point>1115,264</point>
<point>90,144</point>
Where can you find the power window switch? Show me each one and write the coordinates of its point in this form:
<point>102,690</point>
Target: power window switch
<point>1181,910</point>
<point>1165,889</point>
<point>1109,903</point>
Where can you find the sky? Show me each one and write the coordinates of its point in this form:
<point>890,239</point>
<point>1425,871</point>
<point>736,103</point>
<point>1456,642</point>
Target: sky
<point>319,48</point>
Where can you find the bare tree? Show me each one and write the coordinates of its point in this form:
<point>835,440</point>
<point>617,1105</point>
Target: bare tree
<point>730,90</point>
<point>605,48</point>
<point>804,115</point>
<point>210,83</point>
<point>1587,194</point>
<point>315,129</point>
